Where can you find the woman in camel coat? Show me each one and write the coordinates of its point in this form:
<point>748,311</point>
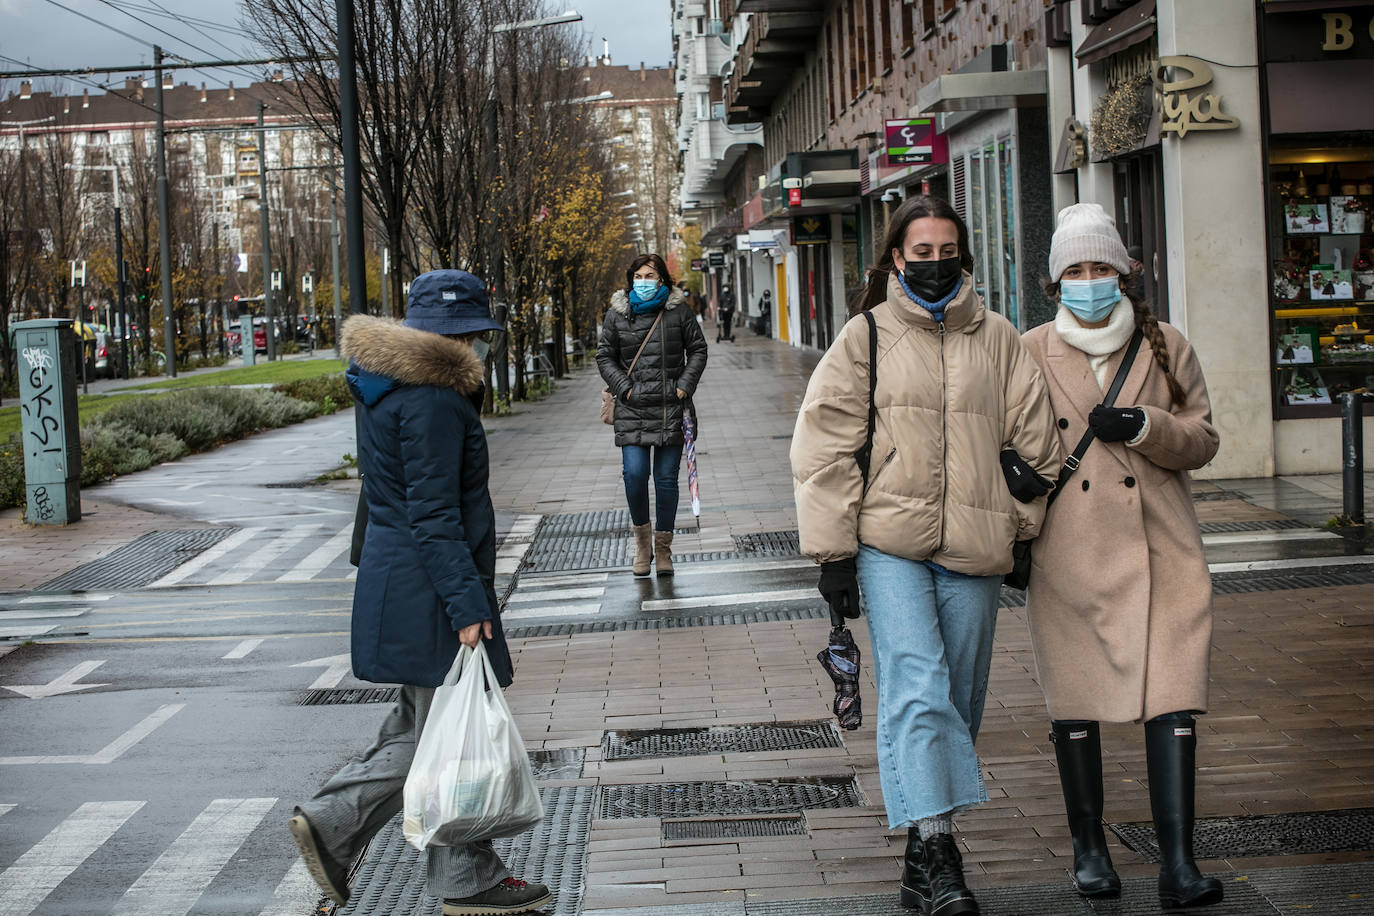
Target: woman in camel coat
<point>1120,598</point>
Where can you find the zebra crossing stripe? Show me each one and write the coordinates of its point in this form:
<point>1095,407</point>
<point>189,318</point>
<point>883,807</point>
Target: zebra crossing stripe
<point>296,894</point>
<point>204,559</point>
<point>557,610</point>
<point>264,555</point>
<point>5,809</point>
<point>38,872</point>
<point>173,884</point>
<point>535,596</point>
<point>321,557</point>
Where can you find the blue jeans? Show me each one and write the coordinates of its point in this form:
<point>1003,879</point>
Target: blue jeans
<point>931,633</point>
<point>635,460</point>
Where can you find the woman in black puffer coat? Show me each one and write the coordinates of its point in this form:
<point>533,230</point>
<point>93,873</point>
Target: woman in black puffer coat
<point>651,398</point>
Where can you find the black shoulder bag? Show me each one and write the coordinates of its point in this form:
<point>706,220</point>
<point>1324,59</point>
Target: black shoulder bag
<point>865,455</point>
<point>1019,577</point>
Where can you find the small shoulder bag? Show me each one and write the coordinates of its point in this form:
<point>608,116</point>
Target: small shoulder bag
<point>1019,577</point>
<point>607,397</point>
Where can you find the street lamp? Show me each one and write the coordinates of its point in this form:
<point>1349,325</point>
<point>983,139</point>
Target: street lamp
<point>119,261</point>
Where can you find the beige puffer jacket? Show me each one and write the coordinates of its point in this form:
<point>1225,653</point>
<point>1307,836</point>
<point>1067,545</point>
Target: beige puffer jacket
<point>948,403</point>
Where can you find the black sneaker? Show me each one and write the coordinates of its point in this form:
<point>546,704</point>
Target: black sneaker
<point>510,896</point>
<point>328,874</point>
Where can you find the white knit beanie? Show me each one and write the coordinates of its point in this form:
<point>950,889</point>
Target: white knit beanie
<point>1086,233</point>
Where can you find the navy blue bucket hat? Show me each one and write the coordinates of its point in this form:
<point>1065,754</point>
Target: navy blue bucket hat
<point>449,302</point>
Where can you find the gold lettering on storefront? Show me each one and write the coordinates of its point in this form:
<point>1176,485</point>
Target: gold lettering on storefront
<point>1340,31</point>
<point>1183,112</point>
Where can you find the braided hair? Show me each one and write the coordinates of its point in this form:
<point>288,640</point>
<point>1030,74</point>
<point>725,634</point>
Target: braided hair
<point>1148,325</point>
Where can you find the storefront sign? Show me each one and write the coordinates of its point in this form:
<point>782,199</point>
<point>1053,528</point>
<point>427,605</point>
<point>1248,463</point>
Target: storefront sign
<point>915,141</point>
<point>794,197</point>
<point>716,259</point>
<point>698,264</point>
<point>811,230</point>
<point>1185,111</point>
<point>1340,31</point>
<point>1305,35</point>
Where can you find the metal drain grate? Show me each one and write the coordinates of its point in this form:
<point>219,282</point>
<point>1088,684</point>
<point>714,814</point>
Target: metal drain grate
<point>146,559</point>
<point>1277,524</point>
<point>391,879</point>
<point>558,763</point>
<point>1350,830</point>
<point>732,830</point>
<point>591,540</point>
<point>1312,577</point>
<point>688,742</point>
<point>769,543</point>
<point>1212,496</point>
<point>668,623</point>
<point>349,696</point>
<point>703,799</point>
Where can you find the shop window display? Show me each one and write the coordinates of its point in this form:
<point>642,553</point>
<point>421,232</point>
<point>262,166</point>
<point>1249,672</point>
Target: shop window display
<point>1322,272</point>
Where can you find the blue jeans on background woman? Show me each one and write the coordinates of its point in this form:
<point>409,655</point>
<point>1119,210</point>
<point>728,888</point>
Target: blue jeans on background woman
<point>637,462</point>
<point>931,631</point>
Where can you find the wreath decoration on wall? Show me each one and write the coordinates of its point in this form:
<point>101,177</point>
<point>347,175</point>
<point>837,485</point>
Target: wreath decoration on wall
<point>1121,118</point>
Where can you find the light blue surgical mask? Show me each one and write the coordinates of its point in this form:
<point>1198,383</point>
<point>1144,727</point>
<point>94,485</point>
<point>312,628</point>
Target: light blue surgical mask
<point>1090,300</point>
<point>645,289</point>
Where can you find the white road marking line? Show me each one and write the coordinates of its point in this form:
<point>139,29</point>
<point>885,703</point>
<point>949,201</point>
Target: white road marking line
<point>173,884</point>
<point>83,598</point>
<point>296,893</point>
<point>336,666</point>
<point>44,615</point>
<point>206,557</point>
<point>38,872</point>
<point>110,752</point>
<point>557,581</point>
<point>63,683</point>
<point>264,555</point>
<point>13,632</point>
<point>554,594</point>
<point>1294,563</point>
<point>321,557</point>
<point>561,610</point>
<point>1266,537</point>
<point>674,604</point>
<point>5,809</point>
<point>505,566</point>
<point>760,565</point>
<point>242,649</point>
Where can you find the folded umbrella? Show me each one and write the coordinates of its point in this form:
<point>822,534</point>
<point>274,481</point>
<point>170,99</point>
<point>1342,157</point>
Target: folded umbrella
<point>840,659</point>
<point>689,441</point>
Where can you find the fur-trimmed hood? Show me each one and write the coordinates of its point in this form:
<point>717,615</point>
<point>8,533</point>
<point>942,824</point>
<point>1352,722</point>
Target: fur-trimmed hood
<point>386,348</point>
<point>620,300</point>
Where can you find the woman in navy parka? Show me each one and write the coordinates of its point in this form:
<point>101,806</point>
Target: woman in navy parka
<point>426,579</point>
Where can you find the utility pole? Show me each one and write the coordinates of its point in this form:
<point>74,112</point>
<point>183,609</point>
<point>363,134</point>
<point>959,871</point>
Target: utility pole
<point>353,173</point>
<point>270,328</point>
<point>334,249</point>
<point>164,223</point>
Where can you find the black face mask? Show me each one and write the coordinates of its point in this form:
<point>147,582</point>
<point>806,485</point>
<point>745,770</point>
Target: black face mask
<point>933,280</point>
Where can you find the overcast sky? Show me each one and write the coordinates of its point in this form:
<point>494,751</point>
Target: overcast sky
<point>42,34</point>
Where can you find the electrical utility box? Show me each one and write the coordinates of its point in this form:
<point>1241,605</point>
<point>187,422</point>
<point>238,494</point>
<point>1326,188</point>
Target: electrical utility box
<point>49,431</point>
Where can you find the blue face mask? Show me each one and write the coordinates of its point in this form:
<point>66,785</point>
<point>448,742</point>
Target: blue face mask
<point>1091,300</point>
<point>645,289</point>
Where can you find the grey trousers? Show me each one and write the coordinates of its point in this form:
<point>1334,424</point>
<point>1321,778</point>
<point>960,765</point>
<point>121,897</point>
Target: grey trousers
<point>358,800</point>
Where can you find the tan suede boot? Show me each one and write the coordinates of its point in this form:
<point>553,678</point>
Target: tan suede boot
<point>644,550</point>
<point>663,553</point>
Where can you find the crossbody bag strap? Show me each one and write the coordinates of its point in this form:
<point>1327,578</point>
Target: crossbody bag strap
<point>645,342</point>
<point>866,456</point>
<point>1073,461</point>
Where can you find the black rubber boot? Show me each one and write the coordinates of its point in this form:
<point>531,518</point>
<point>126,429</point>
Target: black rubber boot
<point>1078,750</point>
<point>1171,760</point>
<point>915,887</point>
<point>946,894</point>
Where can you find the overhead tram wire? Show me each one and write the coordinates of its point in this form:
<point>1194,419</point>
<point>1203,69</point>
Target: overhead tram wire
<point>115,4</point>
<point>208,23</point>
<point>95,84</point>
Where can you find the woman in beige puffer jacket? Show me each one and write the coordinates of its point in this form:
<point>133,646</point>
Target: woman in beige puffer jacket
<point>963,434</point>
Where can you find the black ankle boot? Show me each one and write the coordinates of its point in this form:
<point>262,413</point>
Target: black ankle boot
<point>1171,761</point>
<point>945,893</point>
<point>915,887</point>
<point>1078,750</point>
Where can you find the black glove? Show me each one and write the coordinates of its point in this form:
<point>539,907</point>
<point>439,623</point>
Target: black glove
<point>839,586</point>
<point>1025,485</point>
<point>1116,424</point>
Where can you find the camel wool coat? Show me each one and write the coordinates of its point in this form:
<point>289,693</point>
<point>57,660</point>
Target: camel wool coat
<point>1120,599</point>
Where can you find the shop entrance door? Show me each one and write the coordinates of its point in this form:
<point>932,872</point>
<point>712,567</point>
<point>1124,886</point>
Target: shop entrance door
<point>1138,182</point>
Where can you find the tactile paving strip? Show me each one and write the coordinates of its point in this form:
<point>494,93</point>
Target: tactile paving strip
<point>145,559</point>
<point>1276,524</point>
<point>703,799</point>
<point>669,623</point>
<point>391,880</point>
<point>732,830</point>
<point>1306,833</point>
<point>719,739</point>
<point>349,696</point>
<point>595,540</point>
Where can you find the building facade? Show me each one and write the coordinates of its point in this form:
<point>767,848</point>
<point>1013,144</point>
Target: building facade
<point>1231,140</point>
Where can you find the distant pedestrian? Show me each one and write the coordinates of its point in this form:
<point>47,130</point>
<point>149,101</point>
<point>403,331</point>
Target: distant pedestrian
<point>763,322</point>
<point>651,355</point>
<point>1120,598</point>
<point>426,577</point>
<point>725,313</point>
<point>963,430</point>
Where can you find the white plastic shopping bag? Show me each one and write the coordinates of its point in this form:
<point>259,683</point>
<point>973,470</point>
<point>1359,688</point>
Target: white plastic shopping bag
<point>470,779</point>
